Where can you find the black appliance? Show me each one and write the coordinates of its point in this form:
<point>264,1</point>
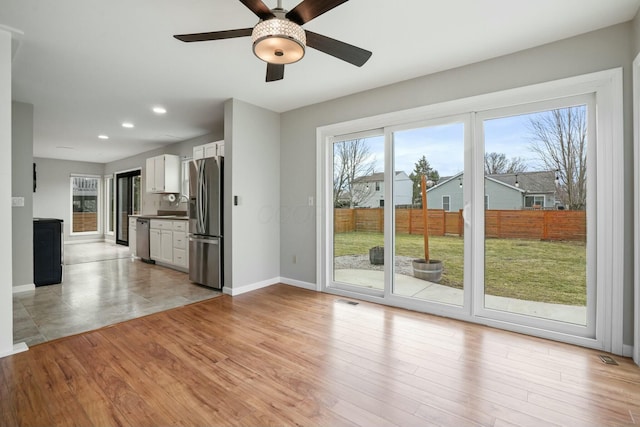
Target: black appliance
<point>48,253</point>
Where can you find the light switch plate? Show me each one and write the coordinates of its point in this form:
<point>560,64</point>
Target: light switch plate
<point>17,202</point>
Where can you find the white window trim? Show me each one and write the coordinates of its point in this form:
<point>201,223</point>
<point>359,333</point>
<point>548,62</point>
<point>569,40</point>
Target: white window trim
<point>106,193</point>
<point>608,89</point>
<point>99,208</point>
<point>544,199</point>
<point>448,203</point>
<point>636,208</point>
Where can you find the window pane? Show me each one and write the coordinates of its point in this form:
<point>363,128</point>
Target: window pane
<point>85,204</point>
<point>535,229</point>
<point>358,200</point>
<point>429,240</point>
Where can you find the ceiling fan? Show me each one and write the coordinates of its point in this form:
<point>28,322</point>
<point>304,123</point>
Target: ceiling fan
<point>279,39</point>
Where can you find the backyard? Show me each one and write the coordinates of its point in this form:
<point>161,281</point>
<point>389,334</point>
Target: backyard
<point>532,270</point>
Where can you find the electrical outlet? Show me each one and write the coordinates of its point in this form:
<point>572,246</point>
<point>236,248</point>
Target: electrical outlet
<point>310,200</point>
<point>17,202</point>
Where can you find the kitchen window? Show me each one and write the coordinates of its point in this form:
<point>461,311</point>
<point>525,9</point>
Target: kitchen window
<point>85,204</point>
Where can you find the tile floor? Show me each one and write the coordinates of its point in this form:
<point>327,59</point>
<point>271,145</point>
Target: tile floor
<point>102,285</point>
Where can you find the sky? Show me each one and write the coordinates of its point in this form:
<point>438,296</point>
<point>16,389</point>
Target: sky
<point>443,145</point>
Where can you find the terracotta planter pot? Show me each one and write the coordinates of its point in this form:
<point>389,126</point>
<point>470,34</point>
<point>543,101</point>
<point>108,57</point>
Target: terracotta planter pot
<point>431,271</point>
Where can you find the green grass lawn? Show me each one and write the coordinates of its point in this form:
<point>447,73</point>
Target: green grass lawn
<point>532,270</point>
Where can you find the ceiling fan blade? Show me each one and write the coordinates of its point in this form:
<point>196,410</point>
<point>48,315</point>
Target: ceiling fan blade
<point>259,8</point>
<point>306,10</point>
<point>274,72</point>
<point>341,50</point>
<point>214,35</point>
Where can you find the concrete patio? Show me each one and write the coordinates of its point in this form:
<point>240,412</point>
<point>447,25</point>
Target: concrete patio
<point>412,287</point>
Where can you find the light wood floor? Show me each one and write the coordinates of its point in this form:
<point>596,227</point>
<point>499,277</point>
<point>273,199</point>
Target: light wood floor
<point>287,356</point>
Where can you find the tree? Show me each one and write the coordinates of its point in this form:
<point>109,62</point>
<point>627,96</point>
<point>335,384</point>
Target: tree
<point>352,160</point>
<point>497,163</point>
<point>559,138</point>
<point>422,167</point>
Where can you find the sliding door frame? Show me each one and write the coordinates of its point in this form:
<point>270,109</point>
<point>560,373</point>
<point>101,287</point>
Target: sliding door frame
<point>594,294</point>
<point>636,209</point>
<point>607,89</point>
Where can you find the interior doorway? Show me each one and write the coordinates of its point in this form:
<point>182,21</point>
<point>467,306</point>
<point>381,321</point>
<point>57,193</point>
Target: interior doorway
<point>128,202</point>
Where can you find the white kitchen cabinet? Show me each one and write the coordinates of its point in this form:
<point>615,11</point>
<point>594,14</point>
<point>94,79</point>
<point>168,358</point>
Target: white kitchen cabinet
<point>220,148</point>
<point>212,149</point>
<point>198,152</point>
<point>155,243</point>
<point>132,235</point>
<point>168,243</point>
<point>163,174</point>
<point>180,246</point>
<point>166,246</point>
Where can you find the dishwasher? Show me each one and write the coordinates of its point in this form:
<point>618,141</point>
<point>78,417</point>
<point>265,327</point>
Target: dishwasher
<point>142,240</point>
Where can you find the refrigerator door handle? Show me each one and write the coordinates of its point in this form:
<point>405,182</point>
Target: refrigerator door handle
<point>201,191</point>
<point>206,241</point>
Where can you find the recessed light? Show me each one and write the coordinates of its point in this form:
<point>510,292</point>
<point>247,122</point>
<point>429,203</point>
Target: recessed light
<point>127,125</point>
<point>159,110</point>
<point>103,136</point>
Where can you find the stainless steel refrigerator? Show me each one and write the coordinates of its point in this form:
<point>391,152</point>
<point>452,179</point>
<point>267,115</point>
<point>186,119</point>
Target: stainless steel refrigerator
<point>205,221</point>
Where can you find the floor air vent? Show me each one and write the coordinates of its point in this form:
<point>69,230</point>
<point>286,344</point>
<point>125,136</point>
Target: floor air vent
<point>608,360</point>
<point>345,301</point>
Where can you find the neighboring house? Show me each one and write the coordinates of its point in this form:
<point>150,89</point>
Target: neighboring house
<point>525,190</point>
<point>369,190</point>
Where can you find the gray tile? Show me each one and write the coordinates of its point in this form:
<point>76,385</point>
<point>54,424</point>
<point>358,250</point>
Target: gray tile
<point>100,290</point>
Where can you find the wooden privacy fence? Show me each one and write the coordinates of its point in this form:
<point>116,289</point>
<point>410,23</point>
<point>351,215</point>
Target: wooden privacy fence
<point>85,221</point>
<point>504,224</point>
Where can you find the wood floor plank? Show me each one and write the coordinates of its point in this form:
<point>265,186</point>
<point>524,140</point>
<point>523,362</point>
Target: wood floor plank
<point>285,356</point>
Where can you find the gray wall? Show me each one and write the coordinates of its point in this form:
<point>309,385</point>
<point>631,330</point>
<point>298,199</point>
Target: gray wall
<point>600,50</point>
<point>52,198</point>
<point>22,186</point>
<point>252,173</point>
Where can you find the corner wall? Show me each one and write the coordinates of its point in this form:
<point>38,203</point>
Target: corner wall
<point>22,186</point>
<point>252,173</point>
<point>6,294</point>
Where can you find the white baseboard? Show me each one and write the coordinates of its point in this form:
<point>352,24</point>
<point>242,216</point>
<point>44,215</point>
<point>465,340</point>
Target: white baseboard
<point>265,283</point>
<point>299,283</point>
<point>24,288</point>
<point>17,348</point>
<point>627,350</point>
<point>251,287</point>
<point>81,241</point>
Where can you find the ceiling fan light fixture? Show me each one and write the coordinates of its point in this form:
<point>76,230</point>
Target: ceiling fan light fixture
<point>278,41</point>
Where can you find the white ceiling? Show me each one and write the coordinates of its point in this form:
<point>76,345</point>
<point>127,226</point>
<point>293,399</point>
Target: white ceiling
<point>89,65</point>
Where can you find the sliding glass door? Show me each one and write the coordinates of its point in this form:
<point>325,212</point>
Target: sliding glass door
<point>398,199</point>
<point>514,199</point>
<point>428,204</point>
<point>539,252</point>
<point>358,200</point>
<point>128,202</point>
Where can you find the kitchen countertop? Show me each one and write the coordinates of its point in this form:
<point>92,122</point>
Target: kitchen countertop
<point>176,217</point>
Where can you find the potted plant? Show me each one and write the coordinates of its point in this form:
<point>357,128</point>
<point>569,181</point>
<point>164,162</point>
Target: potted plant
<point>426,268</point>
